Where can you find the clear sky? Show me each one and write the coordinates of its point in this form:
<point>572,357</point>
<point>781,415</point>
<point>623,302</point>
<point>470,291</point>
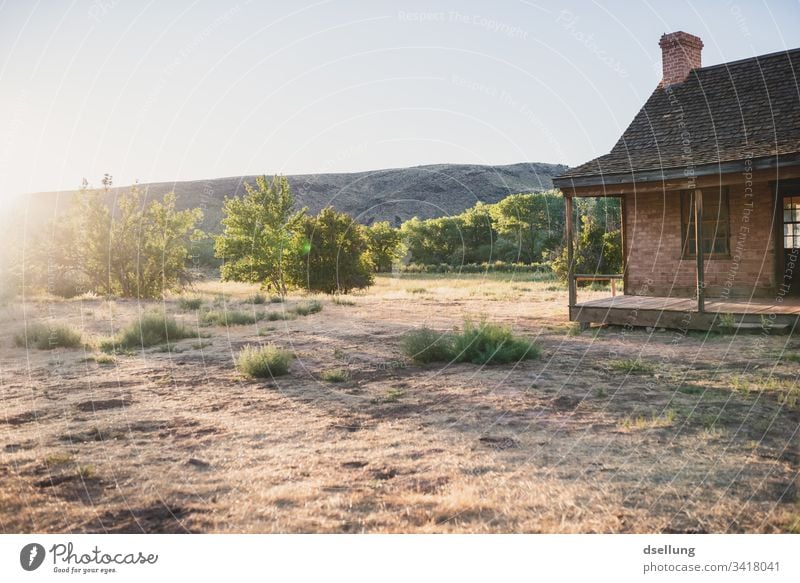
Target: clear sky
<point>163,91</point>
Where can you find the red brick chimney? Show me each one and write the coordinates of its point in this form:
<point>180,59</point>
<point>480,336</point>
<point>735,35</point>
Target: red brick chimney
<point>680,53</point>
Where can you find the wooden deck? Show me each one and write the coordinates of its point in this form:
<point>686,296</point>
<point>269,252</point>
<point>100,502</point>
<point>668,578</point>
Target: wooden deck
<point>682,312</point>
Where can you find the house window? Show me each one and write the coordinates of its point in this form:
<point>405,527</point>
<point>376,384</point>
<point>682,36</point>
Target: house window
<point>791,222</point>
<point>716,235</point>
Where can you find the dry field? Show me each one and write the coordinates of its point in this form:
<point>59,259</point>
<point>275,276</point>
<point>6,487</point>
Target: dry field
<point>608,431</point>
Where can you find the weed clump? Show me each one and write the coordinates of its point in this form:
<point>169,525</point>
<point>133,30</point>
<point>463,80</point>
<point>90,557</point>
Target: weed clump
<point>482,343</point>
<point>336,375</point>
<point>190,303</point>
<point>151,329</point>
<point>48,337</point>
<point>312,307</point>
<point>263,361</point>
<point>228,318</point>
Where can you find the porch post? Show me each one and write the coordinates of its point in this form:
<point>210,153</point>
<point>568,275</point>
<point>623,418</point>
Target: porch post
<point>570,253</point>
<point>698,237</point>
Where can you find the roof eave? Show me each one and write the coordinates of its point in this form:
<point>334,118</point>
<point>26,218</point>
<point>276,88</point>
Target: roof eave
<point>682,172</point>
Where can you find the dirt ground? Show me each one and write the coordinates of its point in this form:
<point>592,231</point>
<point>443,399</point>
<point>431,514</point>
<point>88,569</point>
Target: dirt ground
<point>610,430</point>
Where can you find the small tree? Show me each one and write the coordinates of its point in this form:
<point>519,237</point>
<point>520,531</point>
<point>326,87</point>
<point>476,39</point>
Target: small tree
<point>384,246</point>
<point>595,251</point>
<point>329,254</point>
<point>138,251</point>
<point>259,227</point>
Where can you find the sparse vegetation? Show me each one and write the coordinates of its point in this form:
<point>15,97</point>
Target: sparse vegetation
<point>726,322</point>
<point>104,359</point>
<point>630,365</point>
<point>151,329</point>
<point>655,421</point>
<point>256,299</point>
<point>336,375</point>
<point>481,343</point>
<point>275,316</point>
<point>263,361</point>
<point>307,308</point>
<point>229,318</point>
<point>58,459</point>
<point>486,343</point>
<point>425,345</point>
<point>48,337</point>
<point>190,303</point>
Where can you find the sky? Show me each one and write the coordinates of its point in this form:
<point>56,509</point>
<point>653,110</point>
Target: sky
<point>168,91</point>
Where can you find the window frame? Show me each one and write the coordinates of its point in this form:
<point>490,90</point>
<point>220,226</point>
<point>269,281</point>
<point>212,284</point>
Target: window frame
<point>687,221</point>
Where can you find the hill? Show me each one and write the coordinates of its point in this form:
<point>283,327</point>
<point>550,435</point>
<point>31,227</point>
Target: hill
<point>395,194</point>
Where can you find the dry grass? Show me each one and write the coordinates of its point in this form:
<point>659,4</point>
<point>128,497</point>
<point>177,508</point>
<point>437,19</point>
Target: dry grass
<point>179,441</point>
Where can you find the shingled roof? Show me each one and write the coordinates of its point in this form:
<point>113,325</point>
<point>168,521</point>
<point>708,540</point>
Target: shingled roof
<point>733,111</point>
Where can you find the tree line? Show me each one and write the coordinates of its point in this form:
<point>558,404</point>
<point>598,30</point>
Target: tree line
<point>131,247</point>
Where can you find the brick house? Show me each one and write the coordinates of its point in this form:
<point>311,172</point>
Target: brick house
<point>713,156</point>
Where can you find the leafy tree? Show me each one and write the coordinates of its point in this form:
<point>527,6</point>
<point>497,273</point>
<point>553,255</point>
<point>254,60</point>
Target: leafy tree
<point>595,251</point>
<point>384,246</point>
<point>139,250</point>
<point>259,227</point>
<point>330,254</point>
<point>529,226</point>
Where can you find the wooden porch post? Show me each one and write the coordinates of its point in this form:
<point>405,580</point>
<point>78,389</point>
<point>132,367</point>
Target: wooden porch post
<point>698,238</point>
<point>570,253</point>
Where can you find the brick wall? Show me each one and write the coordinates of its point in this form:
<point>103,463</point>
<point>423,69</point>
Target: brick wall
<point>653,245</point>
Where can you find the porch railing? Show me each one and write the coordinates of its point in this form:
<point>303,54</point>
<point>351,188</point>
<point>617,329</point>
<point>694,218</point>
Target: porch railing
<point>613,278</point>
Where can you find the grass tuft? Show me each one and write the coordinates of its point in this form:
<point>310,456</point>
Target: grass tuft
<point>48,337</point>
<point>263,361</point>
<point>491,344</point>
<point>228,318</point>
<point>341,301</point>
<point>104,359</point>
<point>152,329</point>
<point>335,375</point>
<point>477,343</point>
<point>190,303</point>
<point>630,365</point>
<point>312,307</point>
<point>426,345</point>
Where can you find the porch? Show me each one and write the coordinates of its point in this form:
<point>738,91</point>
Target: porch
<point>682,313</point>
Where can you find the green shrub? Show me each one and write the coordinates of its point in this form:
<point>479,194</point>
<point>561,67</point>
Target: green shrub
<point>263,361</point>
<point>46,337</point>
<point>630,365</point>
<point>311,307</point>
<point>151,329</point>
<point>104,359</point>
<point>229,318</point>
<point>336,375</point>
<point>190,303</point>
<point>426,345</point>
<point>491,344</point>
<point>273,316</point>
<point>478,343</point>
<point>257,298</point>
